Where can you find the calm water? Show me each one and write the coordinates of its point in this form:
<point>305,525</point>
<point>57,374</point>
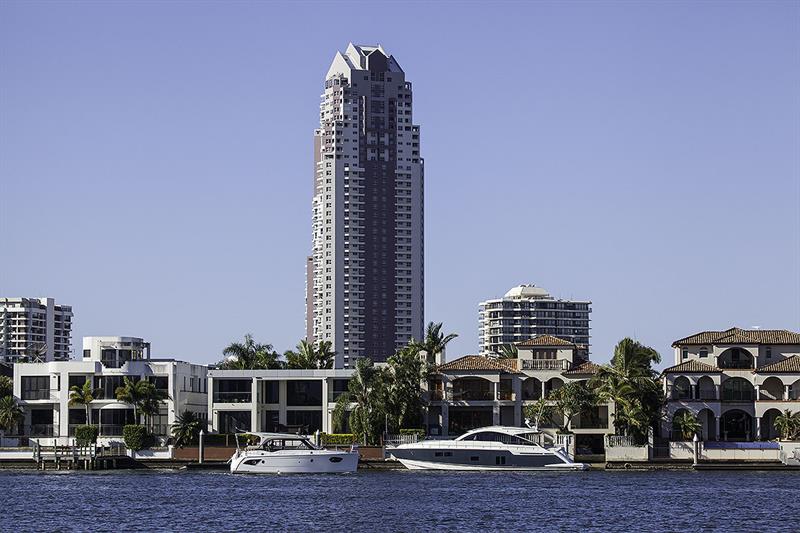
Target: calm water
<point>401,501</point>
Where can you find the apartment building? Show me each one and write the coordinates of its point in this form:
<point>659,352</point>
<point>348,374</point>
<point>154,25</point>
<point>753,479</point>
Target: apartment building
<point>43,389</point>
<point>34,329</point>
<point>364,288</point>
<point>734,381</point>
<point>526,311</point>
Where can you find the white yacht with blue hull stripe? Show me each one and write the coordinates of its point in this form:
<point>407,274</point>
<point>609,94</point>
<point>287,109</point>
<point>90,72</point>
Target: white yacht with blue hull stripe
<point>488,448</point>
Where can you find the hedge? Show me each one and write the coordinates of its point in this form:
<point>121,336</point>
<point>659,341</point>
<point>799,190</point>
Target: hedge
<point>229,439</point>
<point>337,439</point>
<point>421,433</point>
<point>137,437</point>
<point>85,435</point>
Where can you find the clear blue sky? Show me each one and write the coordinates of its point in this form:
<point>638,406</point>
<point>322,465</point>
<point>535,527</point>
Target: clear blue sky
<point>156,159</point>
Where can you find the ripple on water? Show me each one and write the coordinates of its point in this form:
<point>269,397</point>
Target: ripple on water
<point>401,501</point>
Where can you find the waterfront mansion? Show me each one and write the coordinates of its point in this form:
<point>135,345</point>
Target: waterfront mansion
<point>474,391</point>
<point>44,388</point>
<point>734,381</point>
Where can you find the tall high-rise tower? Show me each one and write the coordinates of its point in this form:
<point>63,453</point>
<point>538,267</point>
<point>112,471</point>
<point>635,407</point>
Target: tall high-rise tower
<point>364,285</point>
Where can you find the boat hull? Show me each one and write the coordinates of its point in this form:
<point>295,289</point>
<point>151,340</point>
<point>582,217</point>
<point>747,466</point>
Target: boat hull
<point>426,465</point>
<point>461,458</point>
<point>313,462</point>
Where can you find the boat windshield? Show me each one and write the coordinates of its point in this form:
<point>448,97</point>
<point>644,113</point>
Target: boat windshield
<point>272,445</point>
<point>495,436</point>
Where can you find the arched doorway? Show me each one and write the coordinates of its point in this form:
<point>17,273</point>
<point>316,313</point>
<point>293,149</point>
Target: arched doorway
<point>551,385</point>
<point>531,389</point>
<point>794,390</point>
<point>768,431</point>
<point>706,389</point>
<point>681,388</point>
<point>736,358</point>
<point>736,425</point>
<point>737,390</point>
<point>771,389</point>
<point>677,433</point>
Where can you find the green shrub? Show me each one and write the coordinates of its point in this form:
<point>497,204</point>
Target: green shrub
<point>137,437</point>
<point>337,439</point>
<point>229,439</point>
<point>421,433</point>
<point>85,435</point>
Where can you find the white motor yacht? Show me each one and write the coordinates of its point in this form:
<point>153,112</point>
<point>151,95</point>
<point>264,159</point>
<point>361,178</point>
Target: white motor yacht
<point>284,453</point>
<point>488,448</point>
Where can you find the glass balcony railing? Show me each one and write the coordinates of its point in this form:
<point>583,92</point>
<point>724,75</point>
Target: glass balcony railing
<point>233,397</point>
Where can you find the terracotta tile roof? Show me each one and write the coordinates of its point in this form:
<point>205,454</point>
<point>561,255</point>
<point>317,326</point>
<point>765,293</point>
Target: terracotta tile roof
<point>545,340</point>
<point>479,363</point>
<point>790,364</point>
<point>693,365</point>
<point>582,368</point>
<point>742,336</point>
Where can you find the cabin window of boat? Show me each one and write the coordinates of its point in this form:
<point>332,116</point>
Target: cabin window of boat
<point>493,436</point>
<point>287,444</point>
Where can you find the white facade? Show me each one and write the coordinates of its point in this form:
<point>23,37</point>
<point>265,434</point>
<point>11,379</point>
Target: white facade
<point>34,328</point>
<point>526,311</point>
<point>43,388</point>
<point>274,400</point>
<point>365,289</point>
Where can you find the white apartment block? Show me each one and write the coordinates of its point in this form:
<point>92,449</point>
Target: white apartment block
<point>43,389</point>
<point>34,328</point>
<point>527,311</point>
<point>364,289</point>
<point>735,382</point>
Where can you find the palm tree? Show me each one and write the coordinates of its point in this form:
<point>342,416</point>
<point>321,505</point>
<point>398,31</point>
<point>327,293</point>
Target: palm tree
<point>363,401</point>
<point>788,425</point>
<point>6,386</point>
<point>686,425</point>
<point>84,395</point>
<point>435,341</point>
<point>249,355</point>
<point>133,393</point>
<point>311,355</point>
<point>404,376</point>
<point>10,413</point>
<point>630,382</point>
<point>186,429</point>
<point>538,411</point>
<point>151,401</point>
<point>508,351</point>
<point>571,399</point>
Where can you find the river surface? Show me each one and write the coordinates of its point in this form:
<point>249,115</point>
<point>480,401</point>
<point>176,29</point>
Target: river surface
<point>400,501</point>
